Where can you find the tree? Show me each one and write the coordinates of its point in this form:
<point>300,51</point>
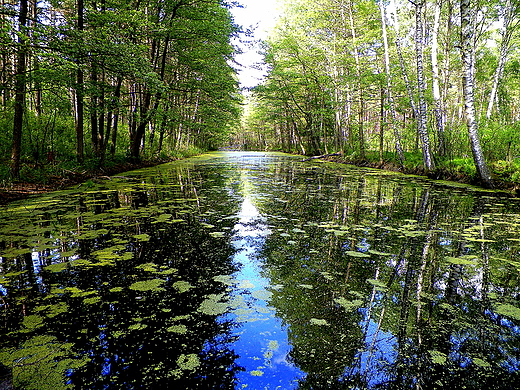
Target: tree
<point>422,120</point>
<point>79,91</point>
<point>388,91</point>
<point>438,106</point>
<point>509,12</point>
<point>468,63</point>
<point>20,87</point>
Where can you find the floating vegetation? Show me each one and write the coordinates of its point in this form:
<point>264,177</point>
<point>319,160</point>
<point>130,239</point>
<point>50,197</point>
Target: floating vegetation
<point>165,260</point>
<point>463,260</point>
<point>180,329</point>
<point>378,284</point>
<point>357,254</point>
<point>182,286</point>
<point>147,285</point>
<point>508,310</point>
<point>58,267</point>
<point>212,305</point>
<point>349,305</point>
<point>262,294</point>
<point>438,357</point>
<point>142,237</point>
<point>319,322</point>
<point>188,362</point>
<point>41,363</point>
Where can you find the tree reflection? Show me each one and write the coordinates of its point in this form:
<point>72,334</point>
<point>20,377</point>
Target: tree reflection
<point>382,282</point>
<point>123,288</point>
<point>413,268</point>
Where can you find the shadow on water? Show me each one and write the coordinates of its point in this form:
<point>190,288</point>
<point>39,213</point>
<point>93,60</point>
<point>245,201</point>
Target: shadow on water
<point>258,271</point>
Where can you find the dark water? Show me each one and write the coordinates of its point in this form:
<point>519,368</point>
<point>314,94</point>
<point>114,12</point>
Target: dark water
<point>258,271</point>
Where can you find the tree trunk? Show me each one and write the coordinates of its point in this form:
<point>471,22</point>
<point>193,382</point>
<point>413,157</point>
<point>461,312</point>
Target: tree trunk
<point>468,62</point>
<point>505,46</point>
<point>402,63</point>
<point>397,134</point>
<point>361,103</point>
<point>80,107</point>
<point>438,110</point>
<point>422,118</point>
<point>19,100</point>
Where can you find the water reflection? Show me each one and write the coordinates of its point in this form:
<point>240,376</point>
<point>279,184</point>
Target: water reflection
<point>262,344</point>
<point>260,271</point>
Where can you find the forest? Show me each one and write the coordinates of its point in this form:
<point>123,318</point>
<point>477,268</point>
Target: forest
<point>431,85</point>
<point>428,86</point>
<point>89,82</point>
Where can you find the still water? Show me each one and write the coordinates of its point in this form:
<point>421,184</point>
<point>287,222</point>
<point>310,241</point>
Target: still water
<point>259,271</point>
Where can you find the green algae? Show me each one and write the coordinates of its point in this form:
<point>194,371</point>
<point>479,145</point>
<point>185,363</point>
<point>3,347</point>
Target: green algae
<point>153,285</point>
<point>182,286</point>
<point>212,305</point>
<point>179,329</point>
<point>188,362</point>
<point>319,322</point>
<point>508,310</point>
<point>349,305</point>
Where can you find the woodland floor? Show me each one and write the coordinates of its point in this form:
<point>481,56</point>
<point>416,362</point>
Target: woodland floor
<point>21,190</point>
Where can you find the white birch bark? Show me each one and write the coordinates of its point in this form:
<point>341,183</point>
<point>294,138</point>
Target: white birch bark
<point>421,86</point>
<point>468,63</point>
<point>508,28</point>
<point>395,23</point>
<point>437,99</point>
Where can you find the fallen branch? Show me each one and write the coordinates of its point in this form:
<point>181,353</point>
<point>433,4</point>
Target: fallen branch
<point>322,156</point>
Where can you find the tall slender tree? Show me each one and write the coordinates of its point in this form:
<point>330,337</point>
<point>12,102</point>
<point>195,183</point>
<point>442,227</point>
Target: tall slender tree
<point>422,112</point>
<point>20,89</point>
<point>509,10</point>
<point>468,63</point>
<point>80,90</point>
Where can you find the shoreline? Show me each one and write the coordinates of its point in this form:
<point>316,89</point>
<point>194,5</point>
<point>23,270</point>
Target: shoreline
<point>23,190</point>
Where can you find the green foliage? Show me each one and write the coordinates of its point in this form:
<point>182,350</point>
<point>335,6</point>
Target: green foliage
<point>159,71</point>
<point>325,91</point>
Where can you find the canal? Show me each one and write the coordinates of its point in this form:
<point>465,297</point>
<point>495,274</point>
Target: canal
<point>259,271</point>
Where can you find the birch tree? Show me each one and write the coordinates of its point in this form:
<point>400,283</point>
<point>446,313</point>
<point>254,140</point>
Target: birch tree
<point>468,80</point>
<point>438,106</point>
<point>422,119</point>
<point>510,24</point>
<point>389,92</point>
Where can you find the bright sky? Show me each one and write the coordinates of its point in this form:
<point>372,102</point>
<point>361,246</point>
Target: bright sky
<point>259,15</point>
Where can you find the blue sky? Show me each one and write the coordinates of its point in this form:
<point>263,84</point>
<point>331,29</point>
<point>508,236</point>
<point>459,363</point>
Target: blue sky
<point>259,15</point>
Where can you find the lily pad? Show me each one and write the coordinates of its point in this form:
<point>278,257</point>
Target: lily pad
<point>319,322</point>
<point>147,285</point>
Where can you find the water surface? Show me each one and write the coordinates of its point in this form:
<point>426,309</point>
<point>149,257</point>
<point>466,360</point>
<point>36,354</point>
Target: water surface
<point>259,271</point>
